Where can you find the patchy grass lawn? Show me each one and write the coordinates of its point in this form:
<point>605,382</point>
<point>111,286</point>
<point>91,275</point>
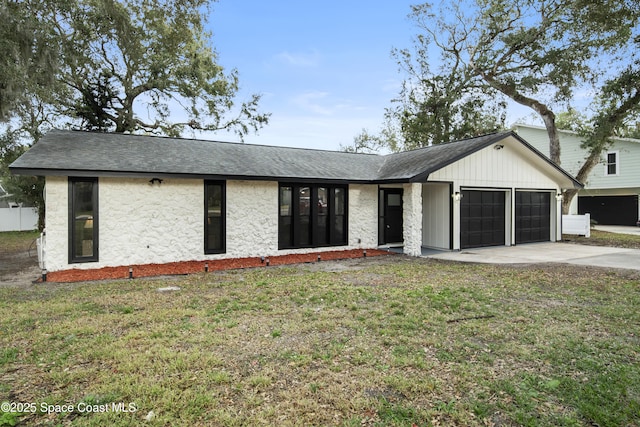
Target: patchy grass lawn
<point>391,341</point>
<point>604,238</point>
<point>17,241</point>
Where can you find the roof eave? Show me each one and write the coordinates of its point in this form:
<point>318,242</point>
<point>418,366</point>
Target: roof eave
<point>168,175</point>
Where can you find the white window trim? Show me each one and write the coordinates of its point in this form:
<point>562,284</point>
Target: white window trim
<point>606,163</point>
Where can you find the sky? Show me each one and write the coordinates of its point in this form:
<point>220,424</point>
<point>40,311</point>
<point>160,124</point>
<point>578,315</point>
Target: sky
<point>324,69</point>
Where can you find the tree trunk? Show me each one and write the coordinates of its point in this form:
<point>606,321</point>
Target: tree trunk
<point>590,162</point>
<point>545,113</point>
<point>554,140</point>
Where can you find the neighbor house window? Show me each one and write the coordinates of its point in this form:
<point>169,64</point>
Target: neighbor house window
<point>214,224</point>
<point>83,220</point>
<point>312,216</point>
<point>612,165</point>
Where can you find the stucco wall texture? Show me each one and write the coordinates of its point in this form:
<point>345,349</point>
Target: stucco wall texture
<point>141,223</point>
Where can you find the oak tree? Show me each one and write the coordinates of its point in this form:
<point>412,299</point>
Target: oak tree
<point>131,66</point>
<point>540,54</point>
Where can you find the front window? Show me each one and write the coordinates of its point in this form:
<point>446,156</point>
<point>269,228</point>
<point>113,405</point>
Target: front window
<point>312,216</point>
<point>214,226</point>
<point>83,220</point>
<point>611,164</point>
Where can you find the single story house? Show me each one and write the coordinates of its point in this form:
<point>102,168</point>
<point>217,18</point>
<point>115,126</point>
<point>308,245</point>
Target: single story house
<point>116,200</point>
<point>611,191</point>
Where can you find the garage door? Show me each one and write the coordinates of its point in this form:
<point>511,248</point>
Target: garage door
<point>482,218</point>
<point>610,210</point>
<point>533,217</point>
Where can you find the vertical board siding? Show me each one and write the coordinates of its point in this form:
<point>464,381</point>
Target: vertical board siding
<point>509,167</point>
<point>436,209</point>
<point>572,158</point>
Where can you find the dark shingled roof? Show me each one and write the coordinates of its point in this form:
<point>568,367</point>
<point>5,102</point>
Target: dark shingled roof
<point>77,153</point>
<point>416,165</point>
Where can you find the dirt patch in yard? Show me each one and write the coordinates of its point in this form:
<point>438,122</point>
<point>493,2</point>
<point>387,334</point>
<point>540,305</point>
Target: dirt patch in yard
<point>19,268</point>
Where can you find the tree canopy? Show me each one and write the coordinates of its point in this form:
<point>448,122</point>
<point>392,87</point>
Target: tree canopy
<point>135,66</point>
<point>540,54</point>
<point>26,59</point>
<point>438,107</point>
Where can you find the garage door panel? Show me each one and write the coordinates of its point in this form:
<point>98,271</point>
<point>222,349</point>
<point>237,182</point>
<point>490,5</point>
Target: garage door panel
<point>482,218</point>
<point>610,210</point>
<point>533,216</point>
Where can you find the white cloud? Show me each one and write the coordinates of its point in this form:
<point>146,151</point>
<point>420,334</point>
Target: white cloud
<point>391,85</point>
<point>324,104</point>
<point>309,101</point>
<point>309,131</point>
<point>305,60</point>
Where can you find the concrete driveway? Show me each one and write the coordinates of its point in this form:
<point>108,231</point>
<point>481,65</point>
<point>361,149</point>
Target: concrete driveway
<point>600,256</point>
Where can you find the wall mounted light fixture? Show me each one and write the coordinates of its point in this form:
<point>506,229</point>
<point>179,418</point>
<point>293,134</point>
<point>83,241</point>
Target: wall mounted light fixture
<point>498,147</point>
<point>152,181</point>
<point>457,196</point>
<point>559,197</point>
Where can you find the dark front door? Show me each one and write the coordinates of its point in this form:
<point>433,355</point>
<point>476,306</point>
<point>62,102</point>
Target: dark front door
<point>390,220</point>
<point>482,218</point>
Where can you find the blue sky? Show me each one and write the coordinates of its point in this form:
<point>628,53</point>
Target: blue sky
<point>324,69</point>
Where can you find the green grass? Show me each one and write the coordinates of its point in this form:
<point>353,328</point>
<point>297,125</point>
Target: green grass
<point>17,241</point>
<point>381,343</point>
<point>604,238</point>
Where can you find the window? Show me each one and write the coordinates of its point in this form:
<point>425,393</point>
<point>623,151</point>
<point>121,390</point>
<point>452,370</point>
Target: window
<point>83,220</point>
<point>214,214</point>
<point>611,163</point>
<point>312,216</point>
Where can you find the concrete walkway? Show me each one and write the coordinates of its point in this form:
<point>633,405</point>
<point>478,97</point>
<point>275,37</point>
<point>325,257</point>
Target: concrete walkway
<point>600,256</point>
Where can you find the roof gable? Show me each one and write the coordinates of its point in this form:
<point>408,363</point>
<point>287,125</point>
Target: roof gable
<point>416,165</point>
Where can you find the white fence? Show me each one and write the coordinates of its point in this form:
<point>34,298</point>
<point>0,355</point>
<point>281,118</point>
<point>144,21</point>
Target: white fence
<point>18,219</point>
<point>577,224</point>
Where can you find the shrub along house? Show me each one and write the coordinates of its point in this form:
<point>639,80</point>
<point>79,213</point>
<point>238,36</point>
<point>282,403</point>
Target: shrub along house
<point>114,201</point>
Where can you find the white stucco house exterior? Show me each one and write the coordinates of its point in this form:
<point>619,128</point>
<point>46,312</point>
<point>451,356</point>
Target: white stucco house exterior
<point>611,191</point>
<point>119,200</point>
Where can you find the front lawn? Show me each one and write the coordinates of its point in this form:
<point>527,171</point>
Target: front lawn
<point>17,241</point>
<point>388,341</point>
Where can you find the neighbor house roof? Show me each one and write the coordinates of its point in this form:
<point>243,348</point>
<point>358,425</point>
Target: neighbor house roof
<point>571,132</point>
<point>76,153</point>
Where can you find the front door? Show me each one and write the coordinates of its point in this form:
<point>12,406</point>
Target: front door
<point>390,221</point>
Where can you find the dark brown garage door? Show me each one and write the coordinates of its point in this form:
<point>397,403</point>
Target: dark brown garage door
<point>533,217</point>
<point>610,210</point>
<point>482,218</point>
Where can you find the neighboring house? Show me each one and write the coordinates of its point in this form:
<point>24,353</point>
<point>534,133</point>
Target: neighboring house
<point>14,216</point>
<point>118,200</point>
<point>5,199</point>
<point>611,191</point>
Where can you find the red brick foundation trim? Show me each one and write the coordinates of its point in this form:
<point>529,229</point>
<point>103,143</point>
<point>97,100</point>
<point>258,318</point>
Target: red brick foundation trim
<point>188,267</point>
